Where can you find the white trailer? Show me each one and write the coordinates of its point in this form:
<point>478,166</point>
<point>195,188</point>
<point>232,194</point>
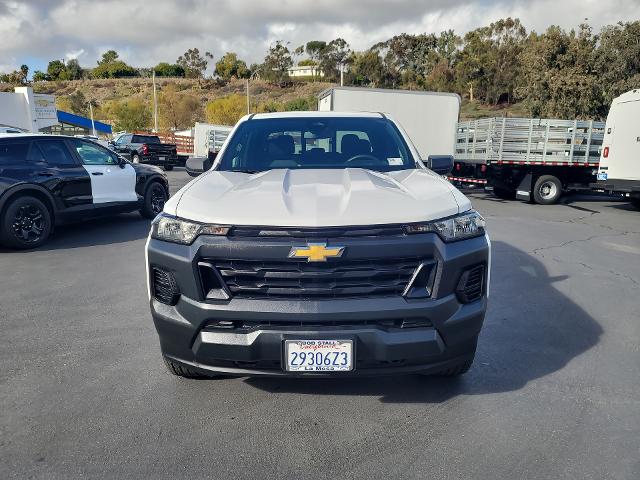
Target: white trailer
<point>209,138</point>
<point>619,170</point>
<point>429,118</point>
<point>534,159</point>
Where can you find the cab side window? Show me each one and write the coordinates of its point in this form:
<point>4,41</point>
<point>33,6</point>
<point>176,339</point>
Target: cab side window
<point>92,154</point>
<point>55,153</point>
<point>13,152</point>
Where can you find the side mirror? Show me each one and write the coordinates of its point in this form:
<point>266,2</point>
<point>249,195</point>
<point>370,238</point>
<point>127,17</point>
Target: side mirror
<point>197,165</point>
<point>440,164</point>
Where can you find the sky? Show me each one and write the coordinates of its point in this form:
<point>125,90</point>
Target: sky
<point>146,32</point>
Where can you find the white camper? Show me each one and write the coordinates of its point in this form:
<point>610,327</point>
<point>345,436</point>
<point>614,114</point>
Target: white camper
<point>619,170</point>
<point>429,118</point>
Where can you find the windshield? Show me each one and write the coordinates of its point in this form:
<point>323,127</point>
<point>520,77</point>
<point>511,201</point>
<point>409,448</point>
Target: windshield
<point>321,142</point>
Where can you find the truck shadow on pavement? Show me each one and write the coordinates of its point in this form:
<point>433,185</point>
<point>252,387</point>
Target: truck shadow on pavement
<point>531,330</point>
<point>109,230</point>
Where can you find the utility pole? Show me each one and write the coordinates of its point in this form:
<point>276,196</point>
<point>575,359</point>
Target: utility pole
<point>93,125</point>
<point>248,101</point>
<point>155,103</point>
<point>341,75</point>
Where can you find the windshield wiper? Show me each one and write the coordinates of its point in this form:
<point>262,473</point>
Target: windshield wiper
<point>247,171</point>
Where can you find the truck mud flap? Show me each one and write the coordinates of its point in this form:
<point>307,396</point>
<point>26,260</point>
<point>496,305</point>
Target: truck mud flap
<point>523,192</point>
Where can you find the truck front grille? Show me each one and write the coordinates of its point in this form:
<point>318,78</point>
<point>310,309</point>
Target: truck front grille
<point>301,279</point>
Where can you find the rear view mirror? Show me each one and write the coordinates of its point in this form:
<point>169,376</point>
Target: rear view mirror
<point>197,165</point>
<point>440,164</point>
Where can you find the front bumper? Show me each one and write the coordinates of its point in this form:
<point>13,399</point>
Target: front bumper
<point>447,334</point>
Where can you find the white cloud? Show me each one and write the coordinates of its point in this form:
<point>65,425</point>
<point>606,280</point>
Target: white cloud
<point>145,33</point>
<point>74,54</point>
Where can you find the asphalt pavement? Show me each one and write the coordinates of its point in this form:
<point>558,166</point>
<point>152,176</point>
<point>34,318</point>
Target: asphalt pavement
<point>554,392</point>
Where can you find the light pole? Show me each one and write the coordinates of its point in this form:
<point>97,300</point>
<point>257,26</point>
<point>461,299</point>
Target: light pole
<point>155,103</point>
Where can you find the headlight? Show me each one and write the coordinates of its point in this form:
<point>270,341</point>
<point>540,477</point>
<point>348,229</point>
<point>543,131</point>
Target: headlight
<point>176,230</point>
<point>466,225</point>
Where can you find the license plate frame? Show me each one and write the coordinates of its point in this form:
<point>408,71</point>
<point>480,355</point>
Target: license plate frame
<point>326,347</point>
<point>162,158</point>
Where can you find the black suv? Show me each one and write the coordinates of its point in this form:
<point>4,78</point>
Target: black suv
<point>48,180</point>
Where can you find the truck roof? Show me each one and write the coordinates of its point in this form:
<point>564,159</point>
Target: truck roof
<point>316,114</point>
<point>630,96</point>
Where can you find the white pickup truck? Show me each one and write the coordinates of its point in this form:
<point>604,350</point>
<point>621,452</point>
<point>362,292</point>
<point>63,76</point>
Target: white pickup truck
<point>318,244</point>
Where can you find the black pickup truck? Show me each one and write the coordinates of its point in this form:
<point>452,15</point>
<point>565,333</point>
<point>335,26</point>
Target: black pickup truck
<point>147,149</point>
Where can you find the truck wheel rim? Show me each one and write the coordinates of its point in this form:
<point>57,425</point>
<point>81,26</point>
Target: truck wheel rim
<point>548,190</point>
<point>157,199</point>
<point>28,223</point>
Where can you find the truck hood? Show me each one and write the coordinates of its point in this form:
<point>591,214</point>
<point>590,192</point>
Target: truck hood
<point>317,198</point>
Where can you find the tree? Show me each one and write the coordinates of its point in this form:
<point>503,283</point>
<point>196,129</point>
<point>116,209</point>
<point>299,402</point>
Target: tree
<point>129,115</point>
<point>558,77</point>
<point>17,77</point>
<point>177,111</point>
<point>73,70</point>
<point>193,63</point>
<point>301,104</point>
<point>109,56</point>
<point>367,68</point>
<point>39,76</point>
<point>56,69</point>
<point>110,67</point>
<point>230,66</point>
<point>275,68</point>
<point>490,60</point>
<point>117,69</point>
<point>617,62</point>
<point>164,69</point>
<point>334,57</point>
<point>226,110</point>
<point>78,103</point>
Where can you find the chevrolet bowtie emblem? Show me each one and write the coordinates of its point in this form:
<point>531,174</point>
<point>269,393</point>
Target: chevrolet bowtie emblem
<point>316,252</point>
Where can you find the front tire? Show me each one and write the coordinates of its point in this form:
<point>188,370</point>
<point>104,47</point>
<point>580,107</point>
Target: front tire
<point>26,223</point>
<point>168,168</point>
<point>154,199</point>
<point>454,371</point>
<point>636,203</point>
<point>547,190</point>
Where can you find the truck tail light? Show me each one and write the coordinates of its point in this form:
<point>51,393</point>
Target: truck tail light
<point>145,149</point>
<point>605,152</point>
<point>483,168</point>
<point>458,167</point>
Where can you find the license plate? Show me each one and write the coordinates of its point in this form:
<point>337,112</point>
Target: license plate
<point>161,158</point>
<point>319,355</point>
<point>602,176</point>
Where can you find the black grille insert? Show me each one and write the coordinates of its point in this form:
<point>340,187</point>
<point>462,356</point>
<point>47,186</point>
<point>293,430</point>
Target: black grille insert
<point>240,326</point>
<point>471,284</point>
<point>293,278</point>
<point>164,286</point>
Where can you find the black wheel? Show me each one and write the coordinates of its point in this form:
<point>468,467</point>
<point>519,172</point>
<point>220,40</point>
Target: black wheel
<point>636,202</point>
<point>182,370</point>
<point>26,223</point>
<point>547,190</point>
<point>135,158</point>
<point>168,168</point>
<point>504,193</point>
<point>154,199</point>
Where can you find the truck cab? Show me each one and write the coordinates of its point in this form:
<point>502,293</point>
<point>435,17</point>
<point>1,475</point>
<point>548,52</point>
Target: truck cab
<point>318,244</point>
<point>619,170</point>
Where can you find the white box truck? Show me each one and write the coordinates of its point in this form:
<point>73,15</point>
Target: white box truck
<point>619,170</point>
<point>209,138</point>
<point>429,118</point>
